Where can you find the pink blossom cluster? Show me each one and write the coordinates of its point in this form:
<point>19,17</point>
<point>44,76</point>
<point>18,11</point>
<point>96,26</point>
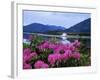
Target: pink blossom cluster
<point>46,44</point>
<point>59,46</point>
<point>61,52</point>
<point>76,43</point>
<point>27,56</point>
<point>40,64</point>
<point>52,58</point>
<point>55,58</point>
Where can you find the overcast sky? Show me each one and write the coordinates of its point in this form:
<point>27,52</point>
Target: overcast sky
<point>54,18</point>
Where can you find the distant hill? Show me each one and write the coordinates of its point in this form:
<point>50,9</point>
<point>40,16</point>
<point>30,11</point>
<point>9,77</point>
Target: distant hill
<point>82,27</point>
<point>41,28</point>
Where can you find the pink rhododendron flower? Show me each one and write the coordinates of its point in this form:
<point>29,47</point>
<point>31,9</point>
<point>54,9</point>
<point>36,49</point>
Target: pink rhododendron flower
<point>52,46</point>
<point>64,48</point>
<point>44,66</point>
<point>44,45</point>
<point>27,66</point>
<point>28,57</point>
<point>51,59</point>
<point>33,54</point>
<point>65,56</point>
<point>27,51</point>
<point>76,55</point>
<point>76,43</point>
<point>58,49</point>
<point>40,64</point>
<point>57,57</point>
<point>72,48</point>
<point>68,51</point>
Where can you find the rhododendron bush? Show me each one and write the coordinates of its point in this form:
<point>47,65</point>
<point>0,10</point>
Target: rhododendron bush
<point>46,53</point>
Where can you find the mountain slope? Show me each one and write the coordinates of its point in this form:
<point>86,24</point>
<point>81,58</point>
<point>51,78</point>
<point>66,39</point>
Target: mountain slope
<point>84,26</point>
<point>41,28</point>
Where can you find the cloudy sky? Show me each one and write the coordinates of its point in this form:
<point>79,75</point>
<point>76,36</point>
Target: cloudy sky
<point>53,18</point>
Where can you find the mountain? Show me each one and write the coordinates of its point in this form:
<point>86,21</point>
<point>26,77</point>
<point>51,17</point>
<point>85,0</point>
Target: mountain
<point>84,27</point>
<point>41,28</point>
